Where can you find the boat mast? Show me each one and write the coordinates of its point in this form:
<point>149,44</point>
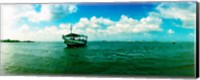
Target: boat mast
<point>70,28</point>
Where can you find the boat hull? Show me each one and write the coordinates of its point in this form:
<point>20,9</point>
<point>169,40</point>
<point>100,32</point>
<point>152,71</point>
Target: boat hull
<point>74,43</point>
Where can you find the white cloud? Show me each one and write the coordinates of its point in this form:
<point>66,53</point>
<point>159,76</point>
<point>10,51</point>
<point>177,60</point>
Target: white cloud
<point>130,25</point>
<point>26,11</point>
<point>33,16</point>
<point>24,28</point>
<point>170,31</point>
<point>72,8</point>
<point>95,28</point>
<point>12,15</point>
<point>47,13</point>
<point>61,10</point>
<point>9,17</point>
<point>184,11</point>
<point>48,33</point>
<point>104,27</point>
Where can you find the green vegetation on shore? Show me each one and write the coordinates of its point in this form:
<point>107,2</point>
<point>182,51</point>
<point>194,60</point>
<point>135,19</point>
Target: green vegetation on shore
<point>16,41</point>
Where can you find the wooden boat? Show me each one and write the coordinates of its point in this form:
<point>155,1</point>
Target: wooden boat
<point>74,40</point>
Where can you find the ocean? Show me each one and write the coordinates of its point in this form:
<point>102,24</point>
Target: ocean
<point>102,58</point>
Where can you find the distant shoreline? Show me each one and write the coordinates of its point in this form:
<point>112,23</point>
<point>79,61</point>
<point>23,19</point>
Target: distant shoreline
<point>29,41</point>
<point>16,41</point>
<point>127,41</point>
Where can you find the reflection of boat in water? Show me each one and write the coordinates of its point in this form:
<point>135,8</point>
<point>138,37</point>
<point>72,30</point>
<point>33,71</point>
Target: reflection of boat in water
<point>74,40</point>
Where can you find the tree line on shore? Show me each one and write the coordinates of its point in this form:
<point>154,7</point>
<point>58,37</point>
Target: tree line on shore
<point>10,40</point>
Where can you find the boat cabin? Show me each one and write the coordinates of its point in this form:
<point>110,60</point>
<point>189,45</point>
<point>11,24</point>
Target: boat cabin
<point>77,37</point>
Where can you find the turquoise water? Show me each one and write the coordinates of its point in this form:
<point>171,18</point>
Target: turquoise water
<point>99,58</point>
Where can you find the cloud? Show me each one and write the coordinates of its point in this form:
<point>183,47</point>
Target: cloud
<point>24,28</point>
<point>170,31</point>
<point>33,16</point>
<point>48,33</point>
<point>61,10</point>
<point>47,12</point>
<point>51,11</point>
<point>184,11</point>
<point>27,11</point>
<point>9,19</point>
<point>104,27</point>
<point>93,22</point>
<point>12,16</point>
<point>95,28</point>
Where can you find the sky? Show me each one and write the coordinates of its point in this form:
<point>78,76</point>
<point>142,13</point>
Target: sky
<point>136,21</point>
